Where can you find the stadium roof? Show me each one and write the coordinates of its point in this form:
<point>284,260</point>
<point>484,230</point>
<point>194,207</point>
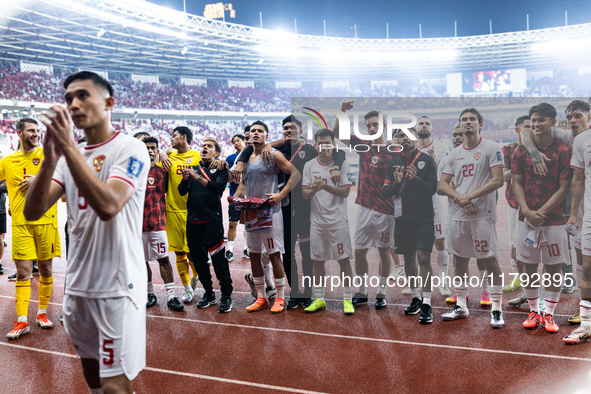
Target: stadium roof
<point>134,36</point>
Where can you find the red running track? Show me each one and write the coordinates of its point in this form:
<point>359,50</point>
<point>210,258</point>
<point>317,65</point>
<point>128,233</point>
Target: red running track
<point>372,351</point>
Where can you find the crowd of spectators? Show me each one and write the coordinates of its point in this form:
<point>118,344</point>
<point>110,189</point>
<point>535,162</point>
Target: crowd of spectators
<point>217,96</point>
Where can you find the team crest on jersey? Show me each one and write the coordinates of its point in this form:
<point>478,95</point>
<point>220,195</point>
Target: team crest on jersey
<point>477,155</point>
<point>151,180</point>
<point>302,154</point>
<point>374,160</point>
<point>213,171</point>
<point>189,160</point>
<point>421,165</point>
<point>98,162</point>
<point>36,161</point>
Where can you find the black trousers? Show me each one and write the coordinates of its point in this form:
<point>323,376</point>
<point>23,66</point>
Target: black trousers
<point>209,238</point>
<point>296,223</point>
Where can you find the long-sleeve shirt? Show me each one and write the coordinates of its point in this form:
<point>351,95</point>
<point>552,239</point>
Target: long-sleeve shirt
<point>417,194</point>
<point>203,203</point>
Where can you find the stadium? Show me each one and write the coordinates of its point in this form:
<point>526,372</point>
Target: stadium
<point>170,68</point>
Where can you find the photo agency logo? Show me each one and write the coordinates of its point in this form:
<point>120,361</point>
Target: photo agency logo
<point>388,123</point>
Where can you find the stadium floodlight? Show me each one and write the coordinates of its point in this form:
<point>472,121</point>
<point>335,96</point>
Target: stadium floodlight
<point>184,51</point>
<point>101,33</point>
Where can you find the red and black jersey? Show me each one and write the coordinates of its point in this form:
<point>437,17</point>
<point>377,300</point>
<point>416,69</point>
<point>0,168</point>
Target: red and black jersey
<point>538,189</point>
<point>508,153</point>
<point>373,166</point>
<point>155,203</point>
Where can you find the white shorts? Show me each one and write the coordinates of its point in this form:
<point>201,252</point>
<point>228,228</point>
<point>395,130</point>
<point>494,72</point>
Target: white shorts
<point>270,238</point>
<point>155,245</point>
<point>586,235</point>
<point>555,252</point>
<point>577,238</point>
<point>512,219</point>
<point>110,330</point>
<point>373,228</point>
<point>440,221</point>
<point>474,238</point>
<point>330,244</point>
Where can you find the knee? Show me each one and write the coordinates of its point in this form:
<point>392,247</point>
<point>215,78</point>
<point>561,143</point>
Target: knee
<point>116,385</point>
<point>440,244</point>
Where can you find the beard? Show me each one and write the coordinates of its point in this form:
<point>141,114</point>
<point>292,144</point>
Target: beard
<point>424,134</point>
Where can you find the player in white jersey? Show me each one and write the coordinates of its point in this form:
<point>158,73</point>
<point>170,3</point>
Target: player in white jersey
<point>476,169</point>
<point>437,150</point>
<point>581,187</point>
<point>105,184</point>
<point>457,140</point>
<point>329,224</point>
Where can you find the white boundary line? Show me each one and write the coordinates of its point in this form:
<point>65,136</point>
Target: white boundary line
<point>178,373</point>
<point>338,300</point>
<point>322,334</point>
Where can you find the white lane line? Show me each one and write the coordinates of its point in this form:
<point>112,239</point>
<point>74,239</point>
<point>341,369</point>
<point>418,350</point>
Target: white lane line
<point>338,301</point>
<point>340,336</point>
<point>178,373</point>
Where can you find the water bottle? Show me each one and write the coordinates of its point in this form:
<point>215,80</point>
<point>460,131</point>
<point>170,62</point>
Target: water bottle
<point>573,229</point>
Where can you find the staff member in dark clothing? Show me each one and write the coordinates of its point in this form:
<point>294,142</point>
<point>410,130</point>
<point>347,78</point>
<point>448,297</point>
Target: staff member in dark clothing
<point>412,181</point>
<point>205,230</point>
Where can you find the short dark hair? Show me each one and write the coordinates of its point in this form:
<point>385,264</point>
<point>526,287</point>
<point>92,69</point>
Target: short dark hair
<point>577,105</point>
<point>372,114</point>
<point>20,125</point>
<point>545,109</point>
<point>141,134</point>
<point>521,119</point>
<point>260,123</point>
<point>424,116</point>
<point>246,129</point>
<point>411,129</point>
<point>98,81</point>
<point>82,140</point>
<point>323,133</point>
<point>475,112</point>
<point>184,130</point>
<point>241,136</point>
<point>218,148</point>
<point>152,140</point>
<point>292,119</point>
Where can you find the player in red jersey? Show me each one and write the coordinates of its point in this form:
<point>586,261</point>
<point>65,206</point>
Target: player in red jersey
<point>154,228</point>
<point>539,236</point>
<point>374,226</point>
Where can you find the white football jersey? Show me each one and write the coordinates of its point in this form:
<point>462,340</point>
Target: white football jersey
<point>438,151</point>
<point>106,258</point>
<point>450,201</point>
<point>470,169</point>
<point>327,210</point>
<point>581,160</point>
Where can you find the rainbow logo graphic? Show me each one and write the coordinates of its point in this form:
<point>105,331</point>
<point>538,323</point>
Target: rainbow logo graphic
<point>316,118</point>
